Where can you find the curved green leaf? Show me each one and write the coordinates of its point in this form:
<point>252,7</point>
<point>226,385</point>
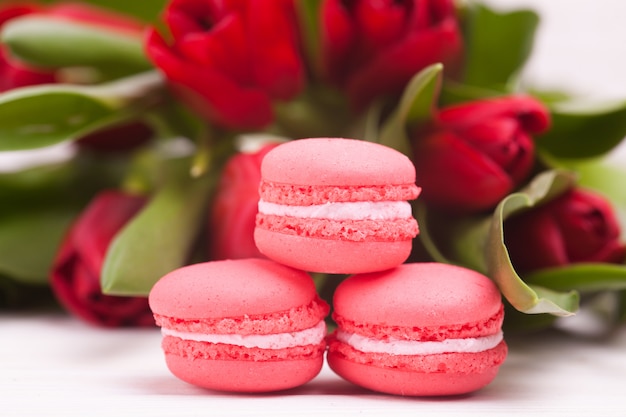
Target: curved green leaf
<point>160,238</point>
<point>39,116</point>
<point>497,45</point>
<point>49,42</point>
<point>43,116</point>
<point>454,240</point>
<point>584,132</point>
<point>416,107</point>
<point>581,277</point>
<point>531,299</point>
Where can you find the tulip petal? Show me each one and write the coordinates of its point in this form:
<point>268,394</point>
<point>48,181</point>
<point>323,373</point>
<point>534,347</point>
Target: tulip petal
<point>380,23</point>
<point>504,142</point>
<point>455,176</point>
<point>99,223</point>
<point>522,296</point>
<point>15,10</point>
<point>533,115</point>
<point>208,92</point>
<point>14,75</point>
<point>185,17</point>
<point>233,215</point>
<point>390,71</point>
<point>534,241</point>
<point>338,36</point>
<point>224,48</point>
<point>275,59</point>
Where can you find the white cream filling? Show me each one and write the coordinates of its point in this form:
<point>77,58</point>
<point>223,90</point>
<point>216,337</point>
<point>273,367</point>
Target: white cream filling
<point>355,210</point>
<point>410,347</point>
<point>311,336</point>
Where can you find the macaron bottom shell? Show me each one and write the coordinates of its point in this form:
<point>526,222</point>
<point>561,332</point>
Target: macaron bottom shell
<point>331,256</point>
<point>459,373</point>
<point>244,376</point>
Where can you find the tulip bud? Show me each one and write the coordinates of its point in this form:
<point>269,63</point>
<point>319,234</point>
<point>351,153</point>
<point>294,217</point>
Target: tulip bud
<point>230,60</point>
<point>75,276</point>
<point>373,48</point>
<point>477,153</point>
<point>233,215</point>
<point>578,226</point>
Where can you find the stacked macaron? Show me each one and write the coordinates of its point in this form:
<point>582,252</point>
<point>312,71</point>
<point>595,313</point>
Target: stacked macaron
<point>418,329</point>
<point>337,206</point>
<point>248,325</point>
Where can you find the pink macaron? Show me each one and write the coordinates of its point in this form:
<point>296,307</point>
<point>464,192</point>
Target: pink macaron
<point>336,205</point>
<point>248,325</point>
<point>421,329</point>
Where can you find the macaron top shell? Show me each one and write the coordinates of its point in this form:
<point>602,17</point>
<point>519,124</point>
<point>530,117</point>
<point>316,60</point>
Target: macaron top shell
<point>231,288</point>
<point>336,161</point>
<point>420,296</point>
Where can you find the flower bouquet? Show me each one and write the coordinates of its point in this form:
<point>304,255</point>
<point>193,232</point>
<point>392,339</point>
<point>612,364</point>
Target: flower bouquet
<point>152,119</point>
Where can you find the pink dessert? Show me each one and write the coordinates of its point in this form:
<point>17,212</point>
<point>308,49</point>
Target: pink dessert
<point>423,329</point>
<point>336,206</point>
<point>248,325</point>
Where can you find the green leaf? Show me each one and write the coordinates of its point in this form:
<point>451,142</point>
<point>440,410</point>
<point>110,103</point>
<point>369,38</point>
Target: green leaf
<point>145,10</point>
<point>453,92</point>
<point>49,42</point>
<point>497,45</point>
<point>581,277</point>
<point>309,19</point>
<point>29,240</point>
<point>583,132</point>
<point>531,299</point>
<point>160,238</point>
<point>39,116</point>
<point>416,108</point>
<point>454,240</point>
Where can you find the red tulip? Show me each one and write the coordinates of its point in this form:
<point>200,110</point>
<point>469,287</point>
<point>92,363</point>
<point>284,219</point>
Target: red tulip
<point>75,275</point>
<point>234,210</point>
<point>229,60</point>
<point>477,153</point>
<point>372,48</point>
<point>578,226</point>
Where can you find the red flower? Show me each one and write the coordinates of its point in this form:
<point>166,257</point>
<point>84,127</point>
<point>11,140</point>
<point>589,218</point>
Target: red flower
<point>234,210</point>
<point>75,276</point>
<point>477,153</point>
<point>578,226</point>
<point>372,48</point>
<point>230,59</point>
